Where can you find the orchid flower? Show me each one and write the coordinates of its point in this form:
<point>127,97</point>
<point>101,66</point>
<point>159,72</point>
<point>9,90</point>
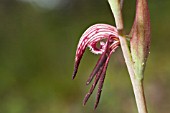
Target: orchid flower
<point>104,39</point>
<point>107,37</point>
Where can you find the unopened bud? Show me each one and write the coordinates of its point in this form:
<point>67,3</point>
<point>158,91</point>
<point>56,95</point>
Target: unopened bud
<point>140,41</point>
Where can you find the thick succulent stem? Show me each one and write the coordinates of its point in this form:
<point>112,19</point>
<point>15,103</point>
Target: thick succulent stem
<point>136,83</point>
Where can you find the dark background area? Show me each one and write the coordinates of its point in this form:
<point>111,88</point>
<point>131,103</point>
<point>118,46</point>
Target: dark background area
<point>38,40</point>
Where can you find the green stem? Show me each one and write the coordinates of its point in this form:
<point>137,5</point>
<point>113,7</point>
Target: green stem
<point>136,83</point>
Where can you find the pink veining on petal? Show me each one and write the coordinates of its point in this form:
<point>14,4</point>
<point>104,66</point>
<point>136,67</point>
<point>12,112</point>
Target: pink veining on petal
<point>90,38</point>
<point>101,39</point>
<point>96,33</point>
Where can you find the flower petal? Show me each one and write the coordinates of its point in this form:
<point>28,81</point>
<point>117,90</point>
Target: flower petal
<point>93,86</point>
<point>99,64</point>
<point>101,80</point>
<point>90,38</point>
<point>100,71</point>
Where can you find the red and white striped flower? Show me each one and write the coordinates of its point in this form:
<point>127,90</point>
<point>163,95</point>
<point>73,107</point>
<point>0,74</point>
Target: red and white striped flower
<point>106,36</point>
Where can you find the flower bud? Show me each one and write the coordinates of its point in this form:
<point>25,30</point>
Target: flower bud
<point>140,41</point>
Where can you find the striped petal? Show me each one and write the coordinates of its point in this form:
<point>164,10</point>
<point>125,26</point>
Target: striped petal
<point>91,37</point>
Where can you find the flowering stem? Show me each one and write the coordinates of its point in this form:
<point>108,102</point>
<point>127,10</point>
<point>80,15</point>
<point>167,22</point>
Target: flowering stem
<point>136,83</point>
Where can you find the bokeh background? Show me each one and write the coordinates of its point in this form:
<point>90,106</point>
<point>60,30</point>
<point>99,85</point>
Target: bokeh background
<point>38,40</point>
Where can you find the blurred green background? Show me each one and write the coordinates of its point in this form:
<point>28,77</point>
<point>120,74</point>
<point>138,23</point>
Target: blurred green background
<point>38,40</point>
